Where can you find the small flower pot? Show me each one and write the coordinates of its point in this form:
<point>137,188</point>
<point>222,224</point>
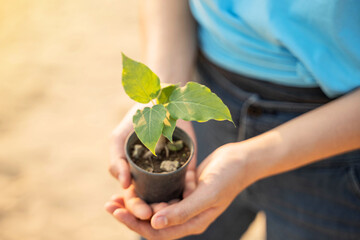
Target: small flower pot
<point>159,187</point>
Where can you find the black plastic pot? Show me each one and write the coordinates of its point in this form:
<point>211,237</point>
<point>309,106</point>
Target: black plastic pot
<point>159,187</point>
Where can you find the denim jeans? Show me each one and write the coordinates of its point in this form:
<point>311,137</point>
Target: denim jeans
<point>317,201</point>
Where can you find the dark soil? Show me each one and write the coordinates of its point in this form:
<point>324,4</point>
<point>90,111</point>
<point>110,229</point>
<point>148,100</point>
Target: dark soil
<point>152,163</point>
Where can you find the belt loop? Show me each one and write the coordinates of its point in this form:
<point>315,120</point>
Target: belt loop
<point>243,115</point>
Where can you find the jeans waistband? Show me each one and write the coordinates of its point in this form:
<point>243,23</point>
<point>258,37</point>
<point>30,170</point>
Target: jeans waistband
<point>254,98</point>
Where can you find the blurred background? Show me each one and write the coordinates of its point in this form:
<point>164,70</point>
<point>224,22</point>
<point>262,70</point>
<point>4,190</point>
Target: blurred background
<point>60,97</point>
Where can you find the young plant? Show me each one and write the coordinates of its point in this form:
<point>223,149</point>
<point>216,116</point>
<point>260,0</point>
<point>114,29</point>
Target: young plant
<point>193,102</point>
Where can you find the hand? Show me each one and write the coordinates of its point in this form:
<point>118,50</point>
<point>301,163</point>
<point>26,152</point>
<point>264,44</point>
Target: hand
<point>119,167</point>
<point>220,178</point>
<point>137,208</point>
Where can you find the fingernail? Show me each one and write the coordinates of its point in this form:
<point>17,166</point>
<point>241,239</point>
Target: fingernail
<point>161,222</point>
<point>117,211</point>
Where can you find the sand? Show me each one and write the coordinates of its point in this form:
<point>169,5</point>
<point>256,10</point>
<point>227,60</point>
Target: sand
<point>60,97</point>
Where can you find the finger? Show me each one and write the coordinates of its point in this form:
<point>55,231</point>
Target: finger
<point>190,183</point>
<point>192,164</point>
<point>116,201</point>
<point>176,200</point>
<point>111,206</point>
<point>138,207</point>
<point>119,166</point>
<point>188,128</point>
<point>178,213</point>
<point>141,227</point>
<point>114,169</point>
<point>195,226</point>
<point>119,199</point>
<point>158,206</point>
<point>119,169</point>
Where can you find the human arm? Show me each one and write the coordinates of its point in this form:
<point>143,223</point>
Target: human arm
<point>169,39</point>
<point>326,131</point>
<point>169,45</point>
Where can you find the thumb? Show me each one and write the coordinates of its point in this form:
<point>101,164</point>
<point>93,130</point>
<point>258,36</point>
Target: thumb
<point>119,168</point>
<point>198,201</point>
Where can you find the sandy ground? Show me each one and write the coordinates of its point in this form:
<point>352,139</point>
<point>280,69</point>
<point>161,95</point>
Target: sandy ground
<point>60,97</point>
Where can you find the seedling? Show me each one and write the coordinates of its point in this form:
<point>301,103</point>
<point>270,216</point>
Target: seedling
<point>193,102</point>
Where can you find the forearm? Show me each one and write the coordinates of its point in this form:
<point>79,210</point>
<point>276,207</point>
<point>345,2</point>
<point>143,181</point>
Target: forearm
<point>321,133</point>
<point>169,39</point>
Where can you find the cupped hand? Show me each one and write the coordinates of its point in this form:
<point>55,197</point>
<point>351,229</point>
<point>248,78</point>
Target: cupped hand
<point>219,179</point>
<point>119,168</point>
<point>140,210</point>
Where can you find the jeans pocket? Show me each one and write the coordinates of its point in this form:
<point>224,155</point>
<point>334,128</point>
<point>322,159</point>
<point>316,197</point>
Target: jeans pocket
<point>355,178</point>
<point>256,125</point>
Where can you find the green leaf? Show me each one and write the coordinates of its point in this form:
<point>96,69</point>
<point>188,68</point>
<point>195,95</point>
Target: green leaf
<point>165,94</point>
<point>195,102</point>
<point>149,124</point>
<point>139,82</point>
<point>169,126</point>
<point>175,146</point>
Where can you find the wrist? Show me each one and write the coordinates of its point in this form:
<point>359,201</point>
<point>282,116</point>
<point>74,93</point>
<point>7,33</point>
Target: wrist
<point>261,156</point>
<point>239,166</point>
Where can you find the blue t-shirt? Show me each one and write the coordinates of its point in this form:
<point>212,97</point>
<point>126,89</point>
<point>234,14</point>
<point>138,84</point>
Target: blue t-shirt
<point>304,43</point>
